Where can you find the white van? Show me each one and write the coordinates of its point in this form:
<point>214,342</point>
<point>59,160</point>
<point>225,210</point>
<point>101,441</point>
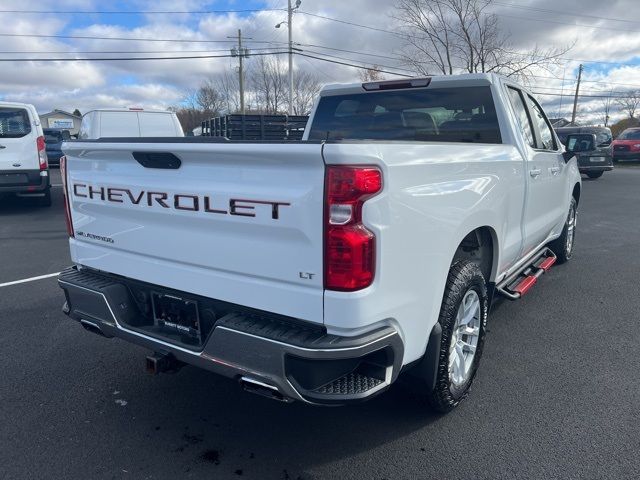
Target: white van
<point>129,122</point>
<point>24,168</point>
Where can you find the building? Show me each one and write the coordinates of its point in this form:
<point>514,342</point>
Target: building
<point>61,119</point>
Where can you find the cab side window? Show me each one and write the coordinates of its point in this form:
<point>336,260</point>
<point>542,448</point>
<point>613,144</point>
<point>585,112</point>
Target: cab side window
<point>547,140</point>
<point>526,127</point>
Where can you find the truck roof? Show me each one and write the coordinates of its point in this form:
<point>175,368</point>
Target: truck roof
<point>468,79</point>
<point>130,109</point>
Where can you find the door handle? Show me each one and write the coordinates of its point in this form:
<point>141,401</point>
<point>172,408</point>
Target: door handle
<point>554,170</point>
<point>535,173</point>
<point>2,146</point>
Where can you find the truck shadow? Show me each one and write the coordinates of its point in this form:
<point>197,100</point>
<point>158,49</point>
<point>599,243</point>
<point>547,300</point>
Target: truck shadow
<point>207,422</point>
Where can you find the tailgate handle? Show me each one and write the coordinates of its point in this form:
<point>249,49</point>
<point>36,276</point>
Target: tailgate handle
<point>164,160</point>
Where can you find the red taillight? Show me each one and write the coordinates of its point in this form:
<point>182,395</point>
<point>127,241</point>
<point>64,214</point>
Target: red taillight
<point>42,153</point>
<point>350,254</point>
<point>65,192</point>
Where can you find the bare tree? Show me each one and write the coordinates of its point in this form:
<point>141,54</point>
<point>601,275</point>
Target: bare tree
<point>605,104</point>
<point>208,98</point>
<point>306,87</point>
<point>629,103</point>
<point>229,88</point>
<point>267,79</point>
<point>452,36</point>
<point>371,74</point>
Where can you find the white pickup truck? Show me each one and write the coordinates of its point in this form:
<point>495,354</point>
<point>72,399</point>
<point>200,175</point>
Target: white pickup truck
<point>320,270</point>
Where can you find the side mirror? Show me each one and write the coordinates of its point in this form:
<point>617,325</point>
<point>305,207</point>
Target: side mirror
<point>580,142</point>
<point>66,135</point>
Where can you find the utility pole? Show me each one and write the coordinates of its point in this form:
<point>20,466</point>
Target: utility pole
<point>575,100</point>
<point>290,17</point>
<point>289,23</point>
<point>241,53</point>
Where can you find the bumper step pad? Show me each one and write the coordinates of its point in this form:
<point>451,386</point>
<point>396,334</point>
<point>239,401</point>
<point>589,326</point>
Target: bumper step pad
<point>350,384</point>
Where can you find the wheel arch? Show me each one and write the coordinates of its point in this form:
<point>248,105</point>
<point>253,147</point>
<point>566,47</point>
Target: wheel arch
<point>576,192</point>
<point>481,246</point>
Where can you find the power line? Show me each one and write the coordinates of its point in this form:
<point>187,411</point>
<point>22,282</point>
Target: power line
<point>352,23</point>
<point>39,52</point>
<point>572,13</point>
<point>362,67</point>
<point>349,51</point>
<point>581,25</point>
<point>354,60</point>
<point>142,12</point>
<point>112,59</point>
<point>90,37</point>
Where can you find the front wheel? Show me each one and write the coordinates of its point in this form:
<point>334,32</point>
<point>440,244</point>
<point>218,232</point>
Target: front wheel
<point>562,247</point>
<point>463,318</point>
<point>594,174</point>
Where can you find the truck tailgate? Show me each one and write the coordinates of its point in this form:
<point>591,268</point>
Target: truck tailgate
<point>235,222</point>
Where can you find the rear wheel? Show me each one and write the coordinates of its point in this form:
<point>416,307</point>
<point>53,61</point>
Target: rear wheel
<point>463,318</point>
<point>594,174</point>
<point>563,245</point>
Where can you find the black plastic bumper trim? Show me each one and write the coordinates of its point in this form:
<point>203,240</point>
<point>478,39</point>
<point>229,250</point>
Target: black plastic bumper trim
<point>239,345</point>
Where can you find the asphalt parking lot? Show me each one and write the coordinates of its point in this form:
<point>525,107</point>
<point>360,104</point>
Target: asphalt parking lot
<point>556,395</point>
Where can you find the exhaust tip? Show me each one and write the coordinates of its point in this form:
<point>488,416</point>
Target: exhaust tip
<point>92,327</point>
<point>252,385</point>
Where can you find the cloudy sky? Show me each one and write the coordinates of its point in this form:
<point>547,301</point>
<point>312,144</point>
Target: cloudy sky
<point>606,37</point>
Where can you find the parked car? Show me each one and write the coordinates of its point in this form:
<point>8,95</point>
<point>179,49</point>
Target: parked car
<point>131,122</point>
<point>53,138</point>
<point>627,145</point>
<point>318,270</point>
<point>597,160</point>
<point>24,169</point>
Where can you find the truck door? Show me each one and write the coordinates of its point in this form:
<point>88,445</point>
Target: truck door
<point>540,209</point>
<point>548,148</point>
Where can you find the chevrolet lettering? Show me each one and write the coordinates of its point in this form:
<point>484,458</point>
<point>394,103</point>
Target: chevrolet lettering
<point>194,203</point>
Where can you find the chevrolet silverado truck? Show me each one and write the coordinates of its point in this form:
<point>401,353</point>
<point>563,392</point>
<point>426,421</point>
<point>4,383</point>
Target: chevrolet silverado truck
<point>320,270</point>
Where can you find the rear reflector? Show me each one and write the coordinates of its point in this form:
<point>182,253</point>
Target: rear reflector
<point>349,246</point>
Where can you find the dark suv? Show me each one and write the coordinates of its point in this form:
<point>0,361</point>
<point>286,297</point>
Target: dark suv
<point>53,138</point>
<point>597,161</point>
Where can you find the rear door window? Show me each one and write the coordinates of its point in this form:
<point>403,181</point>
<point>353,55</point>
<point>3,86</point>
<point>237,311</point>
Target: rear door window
<point>526,127</point>
<point>547,140</point>
<point>14,122</point>
<point>464,114</point>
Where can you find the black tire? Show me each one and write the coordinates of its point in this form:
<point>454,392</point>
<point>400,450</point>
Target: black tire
<point>46,200</point>
<point>561,247</point>
<point>463,277</point>
<point>594,174</point>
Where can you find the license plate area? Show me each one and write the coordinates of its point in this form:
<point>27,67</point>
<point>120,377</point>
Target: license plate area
<point>597,159</point>
<point>177,315</point>
<point>14,179</point>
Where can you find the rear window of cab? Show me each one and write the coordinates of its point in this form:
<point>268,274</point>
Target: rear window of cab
<point>463,114</point>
